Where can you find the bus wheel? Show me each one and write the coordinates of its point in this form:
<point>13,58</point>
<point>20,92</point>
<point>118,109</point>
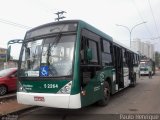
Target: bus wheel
<point>106,93</point>
<point>3,90</point>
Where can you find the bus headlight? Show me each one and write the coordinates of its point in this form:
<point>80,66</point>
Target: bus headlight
<point>66,89</point>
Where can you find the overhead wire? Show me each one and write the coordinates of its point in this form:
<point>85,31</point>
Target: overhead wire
<point>139,13</point>
<point>14,24</point>
<point>151,38</point>
<point>153,17</point>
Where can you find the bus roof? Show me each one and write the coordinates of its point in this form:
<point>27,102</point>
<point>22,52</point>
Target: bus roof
<point>52,23</point>
<point>80,22</point>
<point>85,25</point>
<point>124,46</point>
<point>95,30</point>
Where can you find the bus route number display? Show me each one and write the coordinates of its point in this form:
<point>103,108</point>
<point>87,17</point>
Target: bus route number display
<point>50,85</point>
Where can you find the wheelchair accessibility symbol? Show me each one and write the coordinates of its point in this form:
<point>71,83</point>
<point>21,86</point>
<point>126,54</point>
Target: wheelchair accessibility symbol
<point>44,71</point>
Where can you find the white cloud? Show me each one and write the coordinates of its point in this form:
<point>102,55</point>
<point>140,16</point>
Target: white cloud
<point>103,14</point>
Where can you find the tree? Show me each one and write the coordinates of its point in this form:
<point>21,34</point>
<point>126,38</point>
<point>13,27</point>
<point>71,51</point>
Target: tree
<point>157,59</point>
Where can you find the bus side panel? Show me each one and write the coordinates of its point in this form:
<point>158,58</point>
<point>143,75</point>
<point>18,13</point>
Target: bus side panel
<point>93,91</point>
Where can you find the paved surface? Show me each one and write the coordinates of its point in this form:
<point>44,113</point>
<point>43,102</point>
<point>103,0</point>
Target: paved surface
<point>11,106</point>
<point>11,94</point>
<point>143,99</point>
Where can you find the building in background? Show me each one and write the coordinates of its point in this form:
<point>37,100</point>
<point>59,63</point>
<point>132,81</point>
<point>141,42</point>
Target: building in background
<point>2,54</point>
<point>147,52</point>
<point>143,48</point>
<point>3,63</point>
<point>2,57</point>
<point>136,45</point>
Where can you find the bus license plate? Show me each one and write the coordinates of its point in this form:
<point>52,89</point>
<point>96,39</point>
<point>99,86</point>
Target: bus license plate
<point>39,98</point>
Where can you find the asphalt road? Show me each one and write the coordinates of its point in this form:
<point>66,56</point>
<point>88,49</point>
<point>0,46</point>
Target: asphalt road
<point>142,99</point>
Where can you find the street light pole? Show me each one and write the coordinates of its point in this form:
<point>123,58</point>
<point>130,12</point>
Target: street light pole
<point>130,30</point>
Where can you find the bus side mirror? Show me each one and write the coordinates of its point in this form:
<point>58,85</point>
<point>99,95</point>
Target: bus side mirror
<point>89,54</point>
<point>8,55</point>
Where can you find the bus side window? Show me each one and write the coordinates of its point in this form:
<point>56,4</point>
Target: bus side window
<point>82,51</point>
<point>127,58</point>
<point>85,44</point>
<point>94,48</point>
<point>89,56</point>
<point>106,53</point>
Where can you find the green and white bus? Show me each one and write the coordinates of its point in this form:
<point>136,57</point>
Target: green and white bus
<point>144,64</point>
<point>71,64</point>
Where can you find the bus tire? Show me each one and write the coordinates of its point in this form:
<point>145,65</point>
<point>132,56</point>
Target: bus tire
<point>106,93</point>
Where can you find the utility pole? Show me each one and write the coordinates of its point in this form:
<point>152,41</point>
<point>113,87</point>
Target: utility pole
<point>60,15</point>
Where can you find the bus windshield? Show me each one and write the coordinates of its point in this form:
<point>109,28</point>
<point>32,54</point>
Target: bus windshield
<point>145,64</point>
<point>48,57</point>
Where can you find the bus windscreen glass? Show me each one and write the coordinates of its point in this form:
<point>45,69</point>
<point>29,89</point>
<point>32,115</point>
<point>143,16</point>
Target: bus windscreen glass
<point>50,29</point>
<point>48,57</point>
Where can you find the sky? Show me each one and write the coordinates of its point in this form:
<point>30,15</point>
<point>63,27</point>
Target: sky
<point>103,14</point>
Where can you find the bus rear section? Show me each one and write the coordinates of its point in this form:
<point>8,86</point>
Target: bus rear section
<point>144,71</point>
<point>145,66</point>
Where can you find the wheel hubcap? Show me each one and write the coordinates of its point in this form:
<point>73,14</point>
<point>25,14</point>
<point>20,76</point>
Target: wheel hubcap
<point>106,93</point>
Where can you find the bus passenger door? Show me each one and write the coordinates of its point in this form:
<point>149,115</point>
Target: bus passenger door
<point>89,66</point>
<point>118,67</point>
<point>130,64</point>
<point>125,68</point>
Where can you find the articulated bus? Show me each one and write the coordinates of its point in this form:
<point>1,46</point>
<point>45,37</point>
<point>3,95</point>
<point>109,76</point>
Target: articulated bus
<point>71,64</point>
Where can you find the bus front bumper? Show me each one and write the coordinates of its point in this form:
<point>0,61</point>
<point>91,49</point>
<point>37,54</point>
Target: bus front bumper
<point>50,100</point>
<point>144,73</point>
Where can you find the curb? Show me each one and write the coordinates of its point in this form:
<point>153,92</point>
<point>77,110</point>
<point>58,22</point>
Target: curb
<point>2,98</point>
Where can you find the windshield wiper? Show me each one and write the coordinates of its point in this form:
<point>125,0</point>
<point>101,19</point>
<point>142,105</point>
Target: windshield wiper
<point>55,42</point>
<point>57,37</point>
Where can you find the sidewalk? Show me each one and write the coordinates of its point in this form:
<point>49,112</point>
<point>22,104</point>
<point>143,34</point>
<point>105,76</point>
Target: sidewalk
<point>11,106</point>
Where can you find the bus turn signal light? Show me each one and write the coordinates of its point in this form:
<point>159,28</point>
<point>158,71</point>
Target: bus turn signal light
<point>83,93</point>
